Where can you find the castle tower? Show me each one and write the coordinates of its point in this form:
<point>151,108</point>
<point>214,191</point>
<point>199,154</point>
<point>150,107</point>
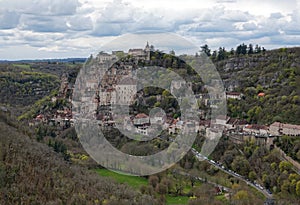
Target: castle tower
<point>147,51</point>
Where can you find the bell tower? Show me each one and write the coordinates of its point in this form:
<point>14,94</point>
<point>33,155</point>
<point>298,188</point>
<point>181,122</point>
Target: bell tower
<point>147,51</point>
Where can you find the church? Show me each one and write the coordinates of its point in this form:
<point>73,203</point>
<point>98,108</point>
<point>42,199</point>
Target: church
<point>141,54</point>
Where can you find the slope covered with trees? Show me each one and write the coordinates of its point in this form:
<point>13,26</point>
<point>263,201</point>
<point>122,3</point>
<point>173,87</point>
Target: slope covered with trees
<point>275,75</point>
<point>31,173</point>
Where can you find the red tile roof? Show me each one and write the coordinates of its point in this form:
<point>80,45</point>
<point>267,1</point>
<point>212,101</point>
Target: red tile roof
<point>141,115</point>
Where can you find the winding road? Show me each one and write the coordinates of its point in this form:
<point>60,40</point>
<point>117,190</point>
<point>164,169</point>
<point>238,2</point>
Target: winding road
<point>232,173</point>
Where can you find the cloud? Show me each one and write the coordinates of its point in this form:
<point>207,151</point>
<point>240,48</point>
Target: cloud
<point>80,23</point>
<point>56,26</point>
<point>249,26</point>
<point>118,18</point>
<point>43,23</point>
<point>8,19</point>
<point>41,7</point>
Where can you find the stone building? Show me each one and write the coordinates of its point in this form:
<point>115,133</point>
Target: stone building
<point>125,91</point>
<point>278,129</point>
<point>141,54</point>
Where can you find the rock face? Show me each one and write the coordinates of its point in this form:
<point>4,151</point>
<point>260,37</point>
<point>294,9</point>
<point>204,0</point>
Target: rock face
<point>264,69</point>
<point>241,63</point>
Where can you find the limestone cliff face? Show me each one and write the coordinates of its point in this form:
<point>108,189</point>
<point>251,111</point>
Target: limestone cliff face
<point>265,69</point>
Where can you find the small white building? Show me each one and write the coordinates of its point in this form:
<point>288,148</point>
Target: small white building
<point>141,119</point>
<point>234,95</point>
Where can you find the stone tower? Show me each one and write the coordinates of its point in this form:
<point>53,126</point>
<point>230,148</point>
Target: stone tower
<point>147,51</point>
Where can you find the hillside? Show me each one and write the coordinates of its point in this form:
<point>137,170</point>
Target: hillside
<point>31,173</point>
<point>24,84</point>
<point>46,169</point>
<point>276,74</point>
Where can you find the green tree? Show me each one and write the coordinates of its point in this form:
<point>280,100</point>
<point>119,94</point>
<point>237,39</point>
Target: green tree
<point>284,165</point>
<point>252,176</point>
<point>241,165</point>
<point>250,49</point>
<point>205,49</point>
<point>298,188</point>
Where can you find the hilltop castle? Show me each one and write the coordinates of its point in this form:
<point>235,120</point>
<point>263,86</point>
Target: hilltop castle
<point>141,54</point>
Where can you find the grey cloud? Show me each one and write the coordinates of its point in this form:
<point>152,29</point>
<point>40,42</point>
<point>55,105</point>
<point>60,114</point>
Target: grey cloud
<point>9,19</point>
<point>276,15</point>
<point>212,27</point>
<point>80,23</point>
<point>107,29</point>
<point>119,18</point>
<point>293,27</point>
<point>226,1</point>
<point>236,16</point>
<point>43,23</point>
<point>286,40</point>
<point>249,26</point>
<point>41,7</point>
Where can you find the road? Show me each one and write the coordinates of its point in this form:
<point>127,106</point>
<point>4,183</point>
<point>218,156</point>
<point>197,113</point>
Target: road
<point>232,173</point>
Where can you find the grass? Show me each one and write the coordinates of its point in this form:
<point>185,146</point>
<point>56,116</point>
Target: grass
<point>23,66</point>
<point>172,200</point>
<point>136,182</point>
<point>222,198</point>
<point>133,181</point>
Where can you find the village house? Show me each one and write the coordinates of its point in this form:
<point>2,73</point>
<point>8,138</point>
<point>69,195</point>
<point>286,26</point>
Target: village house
<point>236,124</point>
<point>179,84</point>
<point>107,97</point>
<point>158,118</point>
<point>102,57</point>
<point>175,125</point>
<point>222,120</point>
<point>125,91</point>
<point>142,122</point>
<point>278,129</point>
<point>256,130</point>
<point>141,119</point>
<point>203,124</point>
<point>261,94</point>
<point>234,95</point>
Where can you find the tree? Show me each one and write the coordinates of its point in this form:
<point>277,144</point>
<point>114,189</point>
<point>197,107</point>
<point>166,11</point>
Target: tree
<point>284,165</point>
<point>241,165</point>
<point>252,176</point>
<point>285,186</point>
<point>161,189</point>
<point>298,188</point>
<point>172,52</point>
<point>221,53</point>
<point>250,49</point>
<point>153,181</point>
<point>243,49</point>
<point>214,55</point>
<point>232,51</point>
<point>257,49</point>
<point>205,49</point>
<point>241,197</point>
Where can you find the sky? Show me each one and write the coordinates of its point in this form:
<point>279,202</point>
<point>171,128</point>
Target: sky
<point>39,29</point>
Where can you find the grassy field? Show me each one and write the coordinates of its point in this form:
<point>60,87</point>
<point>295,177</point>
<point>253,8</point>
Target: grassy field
<point>133,181</point>
<point>23,66</point>
<point>136,182</point>
<point>175,200</point>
